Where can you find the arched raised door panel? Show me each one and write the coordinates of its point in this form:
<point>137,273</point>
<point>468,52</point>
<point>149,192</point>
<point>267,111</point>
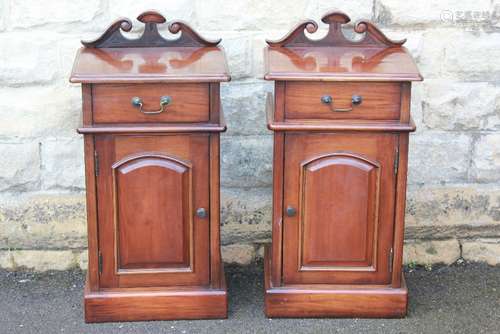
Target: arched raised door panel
<point>338,206</point>
<point>152,195</point>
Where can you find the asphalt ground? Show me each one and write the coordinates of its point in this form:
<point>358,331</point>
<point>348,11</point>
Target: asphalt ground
<point>461,298</point>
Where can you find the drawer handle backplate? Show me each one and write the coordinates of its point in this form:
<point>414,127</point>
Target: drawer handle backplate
<point>355,100</point>
<point>164,101</point>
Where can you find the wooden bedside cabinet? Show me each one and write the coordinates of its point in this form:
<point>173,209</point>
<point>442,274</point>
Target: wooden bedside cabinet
<point>151,123</point>
<point>341,119</point>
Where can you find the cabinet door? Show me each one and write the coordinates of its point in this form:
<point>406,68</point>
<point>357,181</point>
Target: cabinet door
<point>339,194</point>
<point>148,190</point>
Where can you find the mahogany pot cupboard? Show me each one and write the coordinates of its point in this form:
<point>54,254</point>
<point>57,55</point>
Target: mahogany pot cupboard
<point>151,124</point>
<point>341,120</point>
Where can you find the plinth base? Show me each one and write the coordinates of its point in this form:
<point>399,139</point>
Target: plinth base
<point>339,301</point>
<point>167,303</point>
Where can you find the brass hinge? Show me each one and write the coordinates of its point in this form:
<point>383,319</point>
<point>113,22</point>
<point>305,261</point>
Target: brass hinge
<point>99,262</point>
<point>96,163</point>
<point>396,161</point>
<point>391,259</point>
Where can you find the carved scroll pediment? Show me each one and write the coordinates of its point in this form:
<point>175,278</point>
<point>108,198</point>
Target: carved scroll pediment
<point>373,37</point>
<point>113,37</point>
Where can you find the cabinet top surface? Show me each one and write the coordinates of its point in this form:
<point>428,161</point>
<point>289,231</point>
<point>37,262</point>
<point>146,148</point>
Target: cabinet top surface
<point>335,57</point>
<point>340,64</point>
<point>115,58</point>
<point>152,64</point>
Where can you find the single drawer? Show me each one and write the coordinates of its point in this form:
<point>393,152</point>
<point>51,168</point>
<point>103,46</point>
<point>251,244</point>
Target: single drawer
<point>148,103</point>
<point>342,100</point>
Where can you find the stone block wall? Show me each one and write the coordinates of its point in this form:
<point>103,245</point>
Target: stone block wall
<point>453,207</point>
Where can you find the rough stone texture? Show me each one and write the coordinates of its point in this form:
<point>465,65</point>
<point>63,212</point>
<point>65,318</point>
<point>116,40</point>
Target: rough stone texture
<point>416,105</point>
<point>430,12</point>
<point>439,157</point>
<point>3,7</point>
<point>19,166</point>
<point>429,252</point>
<point>258,45</point>
<point>482,250</point>
<point>360,9</point>
<point>246,161</point>
<point>62,163</point>
<point>486,159</point>
<point>243,108</point>
<point>245,215</point>
<point>39,260</point>
<point>239,58</point>
<point>429,52</point>
<point>454,166</point>
<point>476,61</point>
<point>461,106</point>
<point>248,15</point>
<point>28,13</point>
<point>238,253</point>
<point>43,221</point>
<point>179,9</point>
<point>6,260</point>
<point>466,56</point>
<point>83,260</point>
<point>447,207</point>
<point>51,110</point>
<point>20,67</point>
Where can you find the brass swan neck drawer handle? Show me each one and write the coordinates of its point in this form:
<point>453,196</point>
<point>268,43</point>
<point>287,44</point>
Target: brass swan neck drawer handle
<point>355,100</point>
<point>164,101</point>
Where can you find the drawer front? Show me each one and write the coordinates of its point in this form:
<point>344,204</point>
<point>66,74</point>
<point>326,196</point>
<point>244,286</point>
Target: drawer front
<point>337,100</point>
<point>184,103</point>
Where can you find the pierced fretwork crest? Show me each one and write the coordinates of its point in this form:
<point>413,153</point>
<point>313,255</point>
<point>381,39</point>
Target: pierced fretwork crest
<point>113,38</point>
<point>335,19</point>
